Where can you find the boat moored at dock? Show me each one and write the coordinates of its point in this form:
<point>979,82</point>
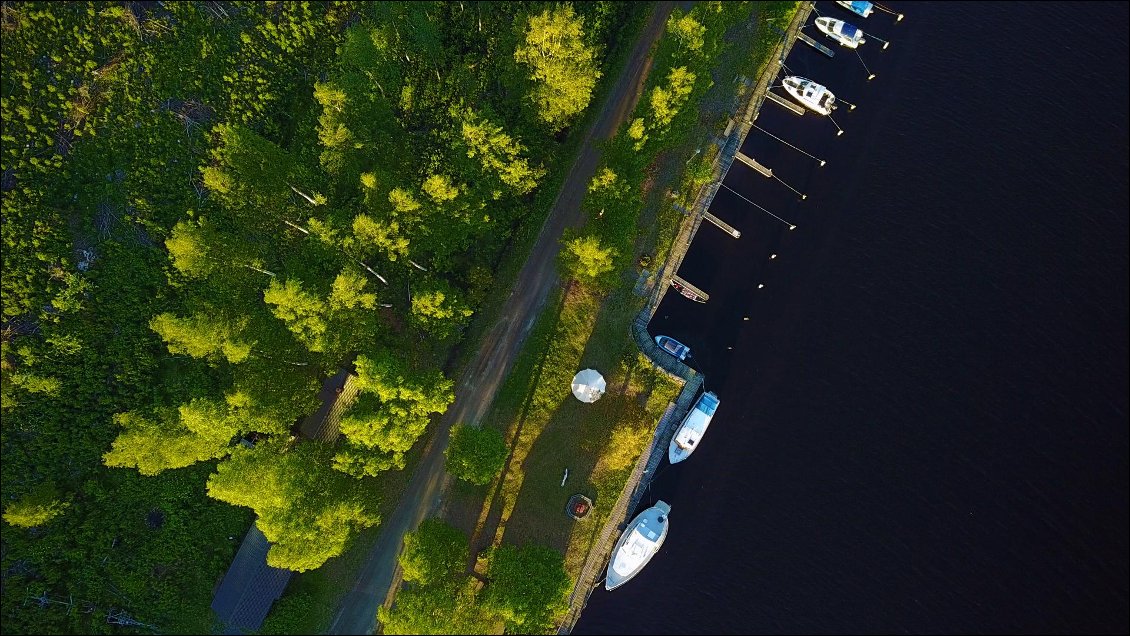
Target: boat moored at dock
<point>694,426</point>
<point>846,34</point>
<point>673,347</point>
<point>858,7</point>
<point>811,95</point>
<point>640,541</point>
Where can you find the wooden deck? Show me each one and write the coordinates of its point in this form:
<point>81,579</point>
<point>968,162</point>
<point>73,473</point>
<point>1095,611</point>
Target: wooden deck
<point>729,229</point>
<point>796,108</point>
<point>753,163</point>
<point>814,44</point>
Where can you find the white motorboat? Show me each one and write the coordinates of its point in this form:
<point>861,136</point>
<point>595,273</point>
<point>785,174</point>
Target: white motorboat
<point>673,347</point>
<point>640,541</point>
<point>846,34</point>
<point>858,7</point>
<point>810,94</point>
<point>694,426</point>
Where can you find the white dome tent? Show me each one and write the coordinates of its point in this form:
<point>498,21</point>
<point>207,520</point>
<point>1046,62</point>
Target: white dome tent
<point>588,385</point>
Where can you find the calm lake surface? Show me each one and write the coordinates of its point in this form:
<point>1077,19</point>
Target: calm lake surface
<point>923,422</point>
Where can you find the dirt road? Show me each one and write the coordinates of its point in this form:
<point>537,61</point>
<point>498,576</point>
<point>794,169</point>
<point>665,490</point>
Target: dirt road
<point>484,374</point>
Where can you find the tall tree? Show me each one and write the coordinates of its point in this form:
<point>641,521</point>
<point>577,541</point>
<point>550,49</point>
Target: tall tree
<point>476,454</point>
<point>249,173</point>
<point>394,409</point>
<point>446,608</point>
<point>438,309</point>
<point>172,438</point>
<point>499,154</point>
<point>202,336</point>
<point>528,586</point>
<point>303,312</point>
<point>586,260</point>
<point>562,66</point>
<point>198,248</point>
<point>434,552</point>
<point>306,509</point>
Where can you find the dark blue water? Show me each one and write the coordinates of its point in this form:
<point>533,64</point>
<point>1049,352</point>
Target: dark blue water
<point>924,422</point>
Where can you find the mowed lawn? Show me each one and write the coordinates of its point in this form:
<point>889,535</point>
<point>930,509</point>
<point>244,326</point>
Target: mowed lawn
<point>597,442</point>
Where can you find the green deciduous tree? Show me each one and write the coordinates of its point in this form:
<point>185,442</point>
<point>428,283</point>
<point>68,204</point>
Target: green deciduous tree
<point>448,608</point>
<point>434,552</point>
<point>437,308</point>
<point>348,292</point>
<point>198,249</point>
<point>440,188</point>
<point>585,260</point>
<point>562,66</point>
<point>394,409</point>
<point>374,235</point>
<point>688,31</point>
<point>475,454</point>
<point>36,508</point>
<point>166,439</point>
<point>667,101</point>
<point>499,153</point>
<point>249,173</point>
<point>528,586</point>
<point>202,336</point>
<point>33,383</point>
<point>306,509</point>
<point>337,140</point>
<point>302,311</point>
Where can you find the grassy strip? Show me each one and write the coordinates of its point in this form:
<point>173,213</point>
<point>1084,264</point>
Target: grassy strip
<point>599,442</point>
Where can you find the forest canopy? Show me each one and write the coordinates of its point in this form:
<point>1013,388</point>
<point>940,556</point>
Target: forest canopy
<point>209,208</point>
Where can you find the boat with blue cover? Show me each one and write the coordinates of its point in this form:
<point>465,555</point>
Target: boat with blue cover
<point>694,426</point>
<point>858,7</point>
<point>846,34</point>
<point>673,347</point>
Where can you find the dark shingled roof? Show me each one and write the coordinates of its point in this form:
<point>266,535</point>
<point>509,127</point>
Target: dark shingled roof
<point>250,587</point>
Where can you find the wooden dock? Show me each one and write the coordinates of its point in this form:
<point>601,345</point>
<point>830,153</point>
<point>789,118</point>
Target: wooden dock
<point>752,163</point>
<point>729,229</point>
<point>796,108</point>
<point>814,44</point>
<point>688,290</point>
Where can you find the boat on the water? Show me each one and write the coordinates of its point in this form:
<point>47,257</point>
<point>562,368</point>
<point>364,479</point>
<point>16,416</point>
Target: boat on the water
<point>640,541</point>
<point>858,7</point>
<point>810,94</point>
<point>694,426</point>
<point>673,347</point>
<point>846,34</point>
<point>687,293</point>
